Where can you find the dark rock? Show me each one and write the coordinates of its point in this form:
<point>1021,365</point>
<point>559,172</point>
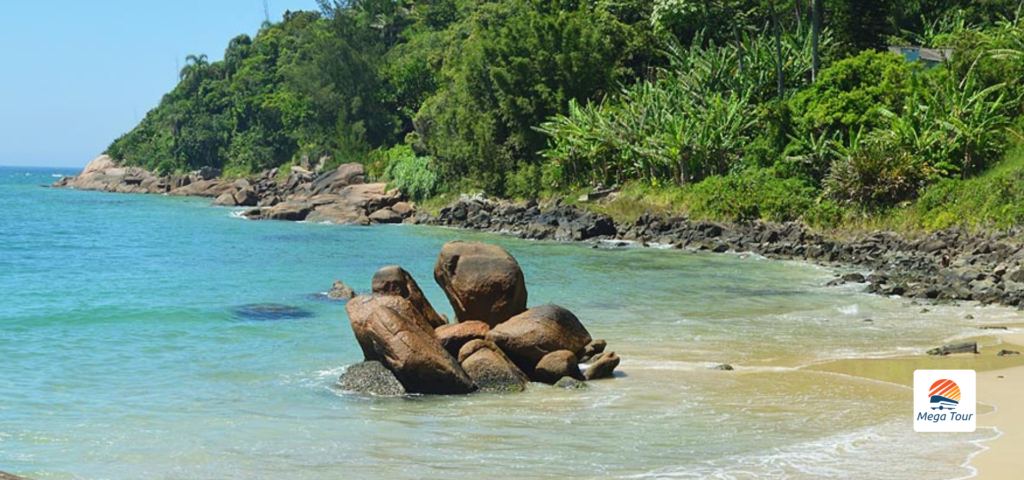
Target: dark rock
<point>570,383</point>
<point>529,336</point>
<point>992,327</point>
<point>854,278</point>
<point>264,312</point>
<point>603,367</point>
<point>455,335</point>
<point>340,291</point>
<point>389,329</point>
<point>343,176</point>
<point>1004,352</point>
<point>370,378</point>
<point>555,365</point>
<point>723,366</point>
<point>246,197</point>
<point>482,282</point>
<point>490,369</point>
<point>594,348</point>
<point>964,347</point>
<point>394,280</point>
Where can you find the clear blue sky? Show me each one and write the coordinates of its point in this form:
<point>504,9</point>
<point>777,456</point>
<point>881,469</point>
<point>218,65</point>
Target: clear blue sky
<point>78,74</point>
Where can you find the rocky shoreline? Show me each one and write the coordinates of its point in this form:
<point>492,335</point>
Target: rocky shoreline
<point>337,196</point>
<point>944,266</point>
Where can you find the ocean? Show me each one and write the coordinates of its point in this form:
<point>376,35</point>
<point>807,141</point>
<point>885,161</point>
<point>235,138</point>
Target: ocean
<point>129,350</point>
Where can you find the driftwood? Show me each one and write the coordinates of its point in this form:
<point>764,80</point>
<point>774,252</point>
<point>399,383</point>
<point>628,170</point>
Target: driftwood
<point>965,347</point>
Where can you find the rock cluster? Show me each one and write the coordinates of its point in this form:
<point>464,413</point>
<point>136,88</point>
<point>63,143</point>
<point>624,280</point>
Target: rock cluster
<point>947,265</point>
<point>337,196</point>
<point>495,343</point>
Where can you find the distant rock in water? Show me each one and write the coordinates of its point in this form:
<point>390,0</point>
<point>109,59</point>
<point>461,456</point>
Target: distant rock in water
<point>340,291</point>
<point>268,312</point>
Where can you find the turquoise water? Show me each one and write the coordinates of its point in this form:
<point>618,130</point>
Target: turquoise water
<point>123,356</point>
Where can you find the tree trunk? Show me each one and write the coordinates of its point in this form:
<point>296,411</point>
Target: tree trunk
<point>778,50</point>
<point>815,39</point>
<point>739,47</point>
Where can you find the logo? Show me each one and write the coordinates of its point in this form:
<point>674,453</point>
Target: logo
<point>944,400</point>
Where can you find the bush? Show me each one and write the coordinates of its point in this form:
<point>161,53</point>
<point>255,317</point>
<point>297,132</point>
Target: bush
<point>994,199</point>
<point>849,94</point>
<point>873,174</point>
<point>751,195</point>
<point>417,177</point>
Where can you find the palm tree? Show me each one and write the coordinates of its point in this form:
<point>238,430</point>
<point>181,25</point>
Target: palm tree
<point>193,65</point>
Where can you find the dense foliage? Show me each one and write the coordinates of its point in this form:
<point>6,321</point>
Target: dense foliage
<point>778,109</point>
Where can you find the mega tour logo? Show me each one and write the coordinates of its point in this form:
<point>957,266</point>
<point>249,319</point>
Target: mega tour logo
<point>944,400</point>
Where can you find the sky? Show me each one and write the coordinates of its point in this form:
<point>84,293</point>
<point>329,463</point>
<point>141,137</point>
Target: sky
<point>75,75</point>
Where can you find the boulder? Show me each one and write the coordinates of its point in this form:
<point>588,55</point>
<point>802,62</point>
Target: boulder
<point>99,164</point>
<point>556,365</point>
<point>403,209</point>
<point>483,282</point>
<point>340,291</point>
<point>290,211</point>
<point>454,335</point>
<point>394,280</point>
<point>964,347</point>
<point>226,199</point>
<point>531,335</point>
<point>490,369</point>
<point>385,215</point>
<point>343,176</point>
<point>246,197</point>
<point>602,368</point>
<point>390,330</point>
<point>370,378</point>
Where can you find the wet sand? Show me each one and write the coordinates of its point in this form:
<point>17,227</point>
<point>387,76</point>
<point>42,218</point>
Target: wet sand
<point>1000,394</point>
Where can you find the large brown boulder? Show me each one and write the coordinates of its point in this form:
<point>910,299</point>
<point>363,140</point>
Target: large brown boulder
<point>390,330</point>
<point>531,335</point>
<point>483,282</point>
<point>454,335</point>
<point>394,280</point>
<point>556,365</point>
<point>490,369</point>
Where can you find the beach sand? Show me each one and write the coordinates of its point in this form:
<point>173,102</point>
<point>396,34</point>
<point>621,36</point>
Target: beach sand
<point>1000,394</point>
<point>1003,388</point>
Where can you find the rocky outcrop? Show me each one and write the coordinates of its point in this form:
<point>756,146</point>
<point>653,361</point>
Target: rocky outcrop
<point>394,280</point>
<point>397,327</point>
<point>482,282</point>
<point>370,378</point>
<point>490,369</point>
<point>531,335</point>
<point>390,330</point>
<point>8,476</point>
<point>338,196</point>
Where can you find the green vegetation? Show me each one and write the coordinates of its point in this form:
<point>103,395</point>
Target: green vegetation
<point>728,109</point>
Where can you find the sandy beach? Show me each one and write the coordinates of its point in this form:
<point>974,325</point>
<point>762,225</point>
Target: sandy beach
<point>1004,389</point>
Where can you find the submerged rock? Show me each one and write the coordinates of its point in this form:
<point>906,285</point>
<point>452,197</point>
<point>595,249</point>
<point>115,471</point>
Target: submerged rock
<point>723,366</point>
<point>570,383</point>
<point>483,282</point>
<point>370,378</point>
<point>1004,352</point>
<point>263,312</point>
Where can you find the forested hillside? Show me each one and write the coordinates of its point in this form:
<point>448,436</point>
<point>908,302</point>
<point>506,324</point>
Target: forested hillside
<point>737,109</point>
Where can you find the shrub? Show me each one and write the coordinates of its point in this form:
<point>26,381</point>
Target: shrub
<point>872,174</point>
<point>750,195</point>
<point>417,177</point>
